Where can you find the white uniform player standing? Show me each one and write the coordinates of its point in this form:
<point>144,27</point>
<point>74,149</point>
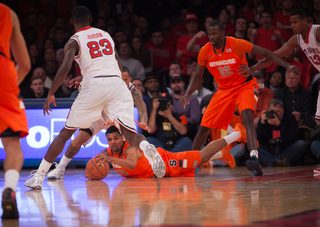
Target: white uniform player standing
<point>102,89</point>
<point>307,36</point>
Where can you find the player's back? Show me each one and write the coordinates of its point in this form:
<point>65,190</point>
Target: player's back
<point>96,55</point>
<point>5,30</point>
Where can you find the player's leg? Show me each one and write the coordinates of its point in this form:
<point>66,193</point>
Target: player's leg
<point>54,150</point>
<point>12,166</point>
<point>149,150</point>
<point>247,101</point>
<point>58,172</point>
<point>200,138</point>
<point>209,152</point>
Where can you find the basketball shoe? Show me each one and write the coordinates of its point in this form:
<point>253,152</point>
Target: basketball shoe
<point>155,160</point>
<point>253,165</point>
<point>9,204</point>
<point>243,135</point>
<point>57,173</point>
<point>35,181</point>
<point>227,157</point>
<point>317,170</point>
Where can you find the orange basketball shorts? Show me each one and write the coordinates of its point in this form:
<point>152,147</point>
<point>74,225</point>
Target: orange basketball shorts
<point>12,112</point>
<point>224,102</point>
<point>182,164</point>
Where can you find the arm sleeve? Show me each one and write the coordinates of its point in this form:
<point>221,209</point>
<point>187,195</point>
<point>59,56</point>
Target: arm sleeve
<point>202,56</point>
<point>241,46</point>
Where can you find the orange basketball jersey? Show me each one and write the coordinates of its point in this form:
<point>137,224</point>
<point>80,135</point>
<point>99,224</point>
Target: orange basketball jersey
<point>142,169</point>
<point>224,63</point>
<point>12,113</point>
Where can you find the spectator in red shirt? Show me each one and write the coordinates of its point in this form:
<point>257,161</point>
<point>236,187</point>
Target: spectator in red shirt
<point>282,18</point>
<point>162,54</point>
<point>224,17</point>
<point>183,55</point>
<point>180,29</point>
<point>268,36</point>
<point>170,37</point>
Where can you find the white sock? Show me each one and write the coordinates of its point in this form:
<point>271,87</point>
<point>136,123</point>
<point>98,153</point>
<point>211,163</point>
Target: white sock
<point>232,137</point>
<point>44,167</point>
<point>143,145</point>
<point>64,162</point>
<point>11,178</point>
<point>254,152</point>
<point>216,155</point>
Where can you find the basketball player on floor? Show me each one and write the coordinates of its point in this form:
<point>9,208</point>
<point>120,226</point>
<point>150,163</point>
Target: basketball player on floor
<point>103,123</point>
<point>307,36</point>
<point>102,89</point>
<point>224,56</point>
<point>129,161</point>
<point>13,120</point>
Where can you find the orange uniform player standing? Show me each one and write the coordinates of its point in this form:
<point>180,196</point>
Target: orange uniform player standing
<point>225,58</point>
<point>13,121</point>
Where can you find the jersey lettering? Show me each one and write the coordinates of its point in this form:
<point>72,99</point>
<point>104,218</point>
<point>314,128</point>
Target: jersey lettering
<point>94,48</point>
<point>173,163</point>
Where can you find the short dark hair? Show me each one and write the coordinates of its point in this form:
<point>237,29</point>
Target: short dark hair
<point>81,14</point>
<point>125,69</point>
<point>301,13</point>
<point>276,102</point>
<point>36,77</point>
<point>268,11</point>
<point>218,23</point>
<point>176,63</point>
<point>112,129</point>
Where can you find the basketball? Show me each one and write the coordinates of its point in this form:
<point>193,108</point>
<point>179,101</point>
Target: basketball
<point>97,169</point>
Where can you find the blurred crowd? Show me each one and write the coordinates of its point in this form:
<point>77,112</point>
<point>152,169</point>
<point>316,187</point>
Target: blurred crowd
<point>158,41</point>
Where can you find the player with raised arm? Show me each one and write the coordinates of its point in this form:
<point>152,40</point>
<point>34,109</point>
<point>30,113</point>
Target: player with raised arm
<point>102,89</point>
<point>225,58</point>
<point>13,120</point>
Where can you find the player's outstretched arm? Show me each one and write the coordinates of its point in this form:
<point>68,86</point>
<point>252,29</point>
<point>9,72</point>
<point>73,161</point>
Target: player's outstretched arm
<point>129,162</point>
<point>19,49</point>
<point>287,48</point>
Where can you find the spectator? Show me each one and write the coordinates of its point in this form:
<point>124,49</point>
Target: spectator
<point>316,11</point>
<point>162,54</point>
<point>38,89</point>
<point>224,17</point>
<point>59,38</point>
<point>139,85</point>
<point>268,36</point>
<point>265,96</point>
<point>170,37</point>
<point>49,54</point>
<point>34,56</point>
<point>251,33</point>
<point>64,91</point>
<point>183,55</point>
<point>135,67</point>
<point>296,99</point>
<point>25,88</point>
<point>48,43</point>
<point>50,67</point>
<point>241,28</point>
<point>180,29</point>
<point>282,18</point>
<point>277,133</point>
<point>233,13</point>
<point>119,37</point>
<point>168,129</point>
<point>141,53</point>
<point>275,81</point>
<point>191,111</point>
<point>175,68</point>
<point>144,25</point>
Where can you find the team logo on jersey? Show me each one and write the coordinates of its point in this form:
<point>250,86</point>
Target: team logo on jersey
<point>223,62</point>
<point>228,50</point>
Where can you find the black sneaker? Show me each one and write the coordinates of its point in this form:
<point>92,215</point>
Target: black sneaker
<point>9,204</point>
<point>253,165</point>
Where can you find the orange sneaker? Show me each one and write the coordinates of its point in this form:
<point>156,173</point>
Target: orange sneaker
<point>240,128</point>
<point>206,165</point>
<point>227,156</point>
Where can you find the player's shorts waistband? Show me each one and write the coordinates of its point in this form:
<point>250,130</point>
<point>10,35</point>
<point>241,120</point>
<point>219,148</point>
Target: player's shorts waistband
<point>248,79</point>
<point>106,76</point>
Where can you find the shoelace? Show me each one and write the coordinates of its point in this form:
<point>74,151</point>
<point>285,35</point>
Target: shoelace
<point>32,173</point>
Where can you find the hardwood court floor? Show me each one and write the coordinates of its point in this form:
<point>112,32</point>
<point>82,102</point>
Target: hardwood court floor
<point>215,197</point>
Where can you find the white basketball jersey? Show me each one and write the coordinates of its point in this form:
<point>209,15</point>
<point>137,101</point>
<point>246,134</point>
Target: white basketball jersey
<point>312,47</point>
<point>96,55</point>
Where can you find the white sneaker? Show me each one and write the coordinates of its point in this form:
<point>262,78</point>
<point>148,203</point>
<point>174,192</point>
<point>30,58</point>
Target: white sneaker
<point>317,170</point>
<point>155,160</point>
<point>35,181</point>
<point>57,173</point>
